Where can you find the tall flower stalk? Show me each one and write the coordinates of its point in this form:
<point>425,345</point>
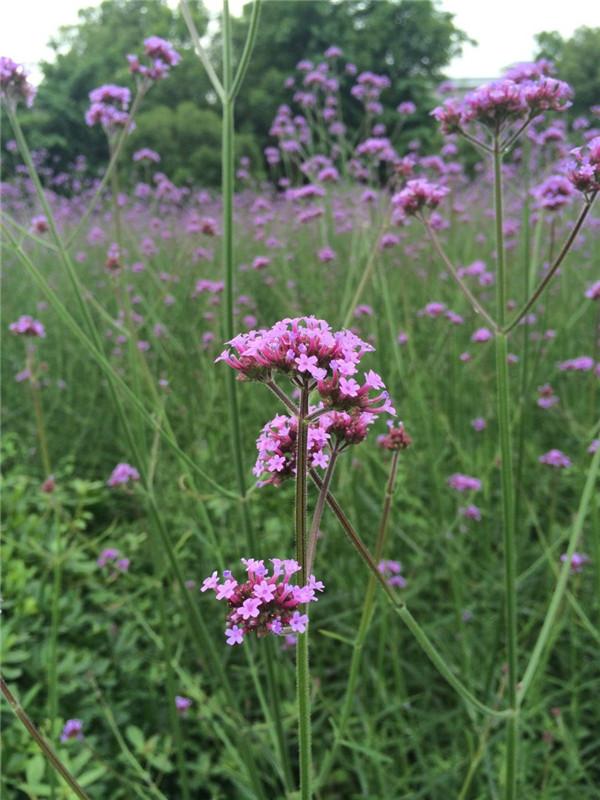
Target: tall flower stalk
<point>302,655</point>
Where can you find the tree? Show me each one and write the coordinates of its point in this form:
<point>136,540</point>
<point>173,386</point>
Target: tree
<point>577,63</point>
<point>409,41</point>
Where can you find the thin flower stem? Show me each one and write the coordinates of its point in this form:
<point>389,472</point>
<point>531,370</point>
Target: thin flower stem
<point>200,51</point>
<point>242,67</point>
<point>227,186</point>
<point>550,273</point>
<point>561,585</point>
<point>39,423</point>
<point>363,628</point>
<point>368,271</point>
<point>41,742</point>
<point>427,646</point>
<point>506,146</point>
<point>281,395</point>
<point>477,307</point>
<point>481,145</point>
<point>319,508</point>
<point>508,490</point>
<point>302,661</point>
<point>114,157</point>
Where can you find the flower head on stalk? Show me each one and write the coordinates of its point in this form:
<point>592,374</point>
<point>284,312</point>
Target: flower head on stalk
<point>333,430</point>
<point>555,458</point>
<point>307,351</point>
<point>122,474</point>
<point>264,604</point>
<point>464,483</point>
<point>417,195</point>
<point>277,448</point>
<point>162,56</point>
<point>27,326</point>
<point>584,171</point>
<point>109,108</point>
<point>73,729</point>
<point>554,193</point>
<point>578,561</point>
<point>396,438</point>
<point>14,85</point>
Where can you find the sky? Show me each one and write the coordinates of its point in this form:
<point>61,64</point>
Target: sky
<point>504,30</point>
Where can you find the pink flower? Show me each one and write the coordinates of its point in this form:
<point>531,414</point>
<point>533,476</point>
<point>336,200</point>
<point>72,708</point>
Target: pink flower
<point>235,635</point>
<point>27,326</point>
<point>482,335</point>
<point>122,474</point>
<point>555,458</point>
<point>464,483</point>
<point>266,603</point>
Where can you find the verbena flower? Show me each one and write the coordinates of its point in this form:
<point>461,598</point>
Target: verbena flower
<point>182,704</point>
<point>417,195</point>
<point>123,474</point>
<point>14,86</point>
<point>263,604</point>
<point>553,193</point>
<point>391,571</point>
<point>27,326</point>
<point>555,458</point>
<point>584,172</point>
<point>464,483</point>
<point>396,437</point>
<point>311,355</point>
<point>578,561</point>
<point>73,729</point>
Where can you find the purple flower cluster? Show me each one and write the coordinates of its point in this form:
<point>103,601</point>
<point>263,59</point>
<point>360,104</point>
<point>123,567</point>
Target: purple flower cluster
<point>162,56</point>
<point>584,172</point>
<point>112,556</point>
<point>264,603</point>
<point>27,326</point>
<point>578,561</point>
<point>417,195</point>
<point>122,474</point>
<point>109,104</point>
<point>555,458</point>
<point>73,729</point>
<point>464,483</point>
<point>311,355</point>
<point>553,193</point>
<point>391,571</point>
<point>396,437</point>
<point>504,102</point>
<point>14,85</point>
<point>276,446</point>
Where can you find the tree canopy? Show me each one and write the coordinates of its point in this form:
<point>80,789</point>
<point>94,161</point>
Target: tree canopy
<point>577,62</point>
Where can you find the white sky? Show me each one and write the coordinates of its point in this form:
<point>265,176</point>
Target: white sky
<point>504,30</point>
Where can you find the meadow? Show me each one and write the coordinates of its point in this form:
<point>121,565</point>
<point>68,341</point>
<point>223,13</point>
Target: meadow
<point>455,546</point>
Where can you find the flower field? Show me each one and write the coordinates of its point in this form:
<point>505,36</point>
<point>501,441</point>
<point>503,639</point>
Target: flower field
<point>300,476</point>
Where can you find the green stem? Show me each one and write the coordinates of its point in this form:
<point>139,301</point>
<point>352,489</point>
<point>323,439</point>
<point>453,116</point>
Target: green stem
<point>507,483</point>
<point>318,512</point>
<point>368,271</point>
<point>400,608</point>
<point>561,585</point>
<point>567,244</point>
<point>365,621</point>
<point>114,157</point>
<point>302,663</point>
<point>41,742</point>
